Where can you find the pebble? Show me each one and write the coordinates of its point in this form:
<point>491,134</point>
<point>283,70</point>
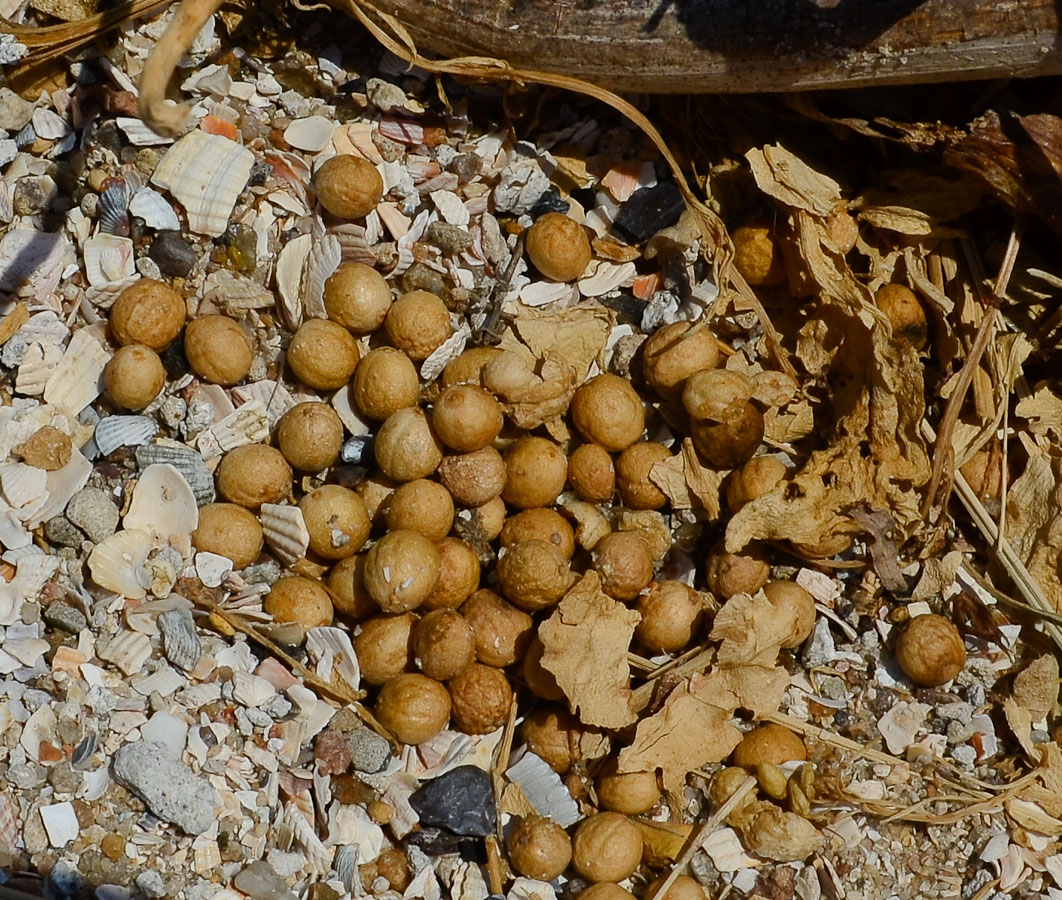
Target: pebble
<point>461,801</point>
<point>451,238</point>
<point>66,617</point>
<point>174,255</point>
<point>369,752</point>
<point>260,882</point>
<point>60,530</point>
<point>15,112</point>
<point>34,195</point>
<point>167,786</point>
<point>648,210</point>
<point>96,514</point>
<point>151,884</point>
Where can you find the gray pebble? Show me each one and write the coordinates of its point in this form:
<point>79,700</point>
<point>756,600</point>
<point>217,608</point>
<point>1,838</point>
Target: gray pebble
<point>150,882</point>
<point>34,194</point>
<point>369,752</point>
<point>451,238</point>
<point>167,786</point>
<point>63,778</point>
<point>66,617</point>
<point>821,648</point>
<point>96,514</point>
<point>260,882</point>
<point>26,775</point>
<point>15,112</point>
<point>60,530</point>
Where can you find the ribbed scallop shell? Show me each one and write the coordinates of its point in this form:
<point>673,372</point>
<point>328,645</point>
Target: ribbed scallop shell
<point>332,652</point>
<point>113,206</point>
<point>276,398</point>
<point>285,531</point>
<point>117,564</point>
<point>38,364</point>
<point>290,265</point>
<point>325,257</point>
<point>180,642</point>
<point>544,789</point>
<point>345,865</point>
<point>153,208</point>
<point>247,425</point>
<point>78,379</point>
<point>113,432</point>
<point>186,461</point>
<point>164,506</point>
<point>108,257</point>
<point>127,650</point>
<point>9,828</point>
<point>25,487</point>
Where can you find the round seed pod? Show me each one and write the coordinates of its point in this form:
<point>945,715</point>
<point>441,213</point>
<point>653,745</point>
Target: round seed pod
<point>218,350</point>
<point>605,890</point>
<point>607,847</point>
<point>148,312</point>
<point>625,564</point>
<point>385,381</point>
<point>466,368</point>
<point>904,312</point>
<point>467,418</point>
<point>535,473</point>
<point>718,395</point>
<point>671,615</point>
<point>592,474</point>
<point>930,650</point>
<point>357,297</point>
<point>486,521</point>
<point>310,435</point>
<point>480,697</point>
<point>406,447</point>
<point>535,575</point>
<point>230,531</point>
<point>768,744</point>
<point>790,598</point>
<point>758,256</point>
<point>423,506</point>
<point>725,784</point>
<point>474,478</point>
<point>298,600</point>
<point>322,354</point>
<point>744,572</point>
<point>726,445</point>
<point>539,524</point>
<point>417,323</point>
<point>401,570</point>
<point>631,793</point>
<point>443,645</point>
<point>632,475</point>
<point>254,474</point>
<point>552,733</point>
<point>346,581</point>
<point>337,521</point>
<point>673,353</point>
<point>539,680</point>
<point>459,570</point>
<point>384,647</point>
<point>754,479</point>
<point>347,186</point>
<point>558,247</point>
<point>413,707</point>
<point>683,888</point>
<point>608,411</point>
<point>134,376</point>
<point>500,631</point>
<point>539,848</point>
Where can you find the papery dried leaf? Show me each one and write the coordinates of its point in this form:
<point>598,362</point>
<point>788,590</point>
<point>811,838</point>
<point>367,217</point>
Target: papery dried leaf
<point>703,483</point>
<point>577,334</point>
<point>786,426</point>
<point>586,642</point>
<point>662,841</point>
<point>1048,793</point>
<point>1020,721</point>
<point>1031,816</point>
<point>1042,409</point>
<point>937,575</point>
<point>1036,686</point>
<point>752,630</point>
<point>918,203</point>
<point>787,178</point>
<point>670,476</point>
<point>1032,502</point>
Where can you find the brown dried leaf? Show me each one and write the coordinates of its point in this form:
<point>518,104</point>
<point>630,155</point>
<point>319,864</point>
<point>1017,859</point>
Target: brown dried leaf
<point>787,178</point>
<point>918,203</point>
<point>1036,687</point>
<point>1020,721</point>
<point>1031,816</point>
<point>937,574</point>
<point>1042,409</point>
<point>752,630</point>
<point>786,426</point>
<point>670,476</point>
<point>13,321</point>
<point>1047,794</point>
<point>703,483</point>
<point>577,334</point>
<point>663,841</point>
<point>586,642</point>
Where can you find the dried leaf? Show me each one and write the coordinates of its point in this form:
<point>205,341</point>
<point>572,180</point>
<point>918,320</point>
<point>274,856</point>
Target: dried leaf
<point>1020,721</point>
<point>1029,815</point>
<point>703,483</point>
<point>662,841</point>
<point>752,630</point>
<point>789,179</point>
<point>918,203</point>
<point>937,575</point>
<point>586,642</point>
<point>1042,409</point>
<point>1048,794</point>
<point>1036,687</point>
<point>670,476</point>
<point>577,334</point>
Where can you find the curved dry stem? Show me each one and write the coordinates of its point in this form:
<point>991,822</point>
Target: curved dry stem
<point>190,17</point>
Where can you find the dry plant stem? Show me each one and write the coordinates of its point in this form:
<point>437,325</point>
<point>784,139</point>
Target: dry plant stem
<point>500,763</point>
<point>698,837</point>
<point>912,814</point>
<point>643,694</point>
<point>53,40</point>
<point>494,866</point>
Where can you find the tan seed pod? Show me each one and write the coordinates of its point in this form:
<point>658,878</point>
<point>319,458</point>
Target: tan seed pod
<point>310,435</point>
<point>608,411</point>
<point>552,733</point>
<point>480,698</point>
<point>417,323</point>
<point>346,581</point>
<point>930,650</point>
<point>401,570</point>
<point>717,395</point>
<point>625,564</point>
<point>406,447</point>
<point>148,312</point>
<point>413,707</point>
<point>633,467</point>
<point>631,793</point>
<point>421,505</point>
<point>607,847</point>
<point>592,474</point>
<point>384,647</point>
<point>134,376</point>
<point>904,312</point>
<point>539,848</point>
<point>336,519</point>
<point>726,445</point>
<point>539,524</point>
<point>349,187</point>
<point>500,630</point>
<point>459,570</point>
<point>683,888</point>
<point>443,644</point>
<point>558,247</point>
<point>230,531</point>
<point>534,575</point>
<point>474,478</point>
<point>467,418</point>
<point>298,600</point>
<point>535,473</point>
<point>218,350</point>
<point>754,479</point>
<point>254,474</point>
<point>758,256</point>
<point>673,353</point>
<point>744,572</point>
<point>385,381</point>
<point>357,297</point>
<point>769,744</point>
<point>322,354</point>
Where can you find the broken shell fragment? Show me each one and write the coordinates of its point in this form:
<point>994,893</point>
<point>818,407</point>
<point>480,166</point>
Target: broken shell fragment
<point>117,564</point>
<point>285,531</point>
<point>164,506</point>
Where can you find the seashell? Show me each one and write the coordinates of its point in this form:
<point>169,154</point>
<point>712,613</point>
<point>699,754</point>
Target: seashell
<point>108,257</point>
<point>350,825</point>
<point>467,883</point>
<point>39,727</point>
<point>451,208</point>
<point>49,125</point>
<point>276,398</point>
<point>324,258</point>
<point>139,134</point>
<point>9,823</point>
<point>186,461</point>
<point>546,293</point>
<point>212,568</point>
<point>358,450</point>
<point>25,488</point>
<point>448,350</point>
<point>26,650</point>
<point>206,174</point>
<point>26,256</point>
<point>312,133</point>
<point>127,650</point>
<point>62,485</point>
<point>348,415</point>
<point>43,328</point>
<point>285,531</point>
<point>84,750</point>
<point>233,292</point>
<point>345,864</point>
<point>151,206</point>
<point>290,265</point>
<point>102,296</point>
<point>331,650</point>
<point>38,363</point>
<point>78,378</point>
<point>249,424</point>
<point>164,506</point>
<point>117,564</point>
<point>725,850</point>
<point>13,533</point>
<point>180,642</point>
<point>251,690</point>
<point>113,207</point>
<point>305,834</point>
<point>113,432</point>
<point>544,789</point>
<point>605,277</point>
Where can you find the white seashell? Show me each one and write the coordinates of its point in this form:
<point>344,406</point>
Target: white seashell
<point>151,206</point>
<point>605,276</point>
<point>206,173</point>
<point>212,568</point>
<point>546,293</point>
<point>26,650</point>
<point>13,534</point>
<point>78,379</point>
<point>62,485</point>
<point>127,650</point>
<point>25,255</point>
<point>43,328</point>
<point>467,883</point>
<point>247,425</point>
<point>276,398</point>
<point>311,134</point>
<point>38,363</point>
<point>325,257</point>
<point>345,864</point>
<point>233,292</point>
<point>39,727</point>
<point>348,415</point>
<point>350,825</point>
<point>285,531</point>
<point>117,564</point>
<point>251,690</point>
<point>180,641</point>
<point>108,257</point>
<point>113,432</point>
<point>23,486</point>
<point>451,208</point>
<point>103,296</point>
<point>164,506</point>
<point>186,461</point>
<point>331,650</point>
<point>290,265</point>
<point>448,350</point>
<point>49,126</point>
<point>139,134</point>
<point>544,789</point>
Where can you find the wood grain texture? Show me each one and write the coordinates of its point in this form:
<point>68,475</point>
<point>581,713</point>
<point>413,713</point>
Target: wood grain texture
<point>746,45</point>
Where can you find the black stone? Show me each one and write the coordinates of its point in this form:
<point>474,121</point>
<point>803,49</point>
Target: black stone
<point>461,801</point>
<point>173,254</point>
<point>551,201</point>
<point>647,211</point>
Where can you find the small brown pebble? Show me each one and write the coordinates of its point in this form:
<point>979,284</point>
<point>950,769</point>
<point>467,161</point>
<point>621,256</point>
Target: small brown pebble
<point>385,381</point>
<point>769,744</point>
<point>384,647</point>
<point>535,473</point>
<point>592,474</point>
<point>380,811</point>
<point>757,255</point>
<point>310,435</point>
<point>254,474</point>
<point>401,570</point>
<point>413,707</point>
<point>607,847</point>
<point>480,698</point>
<point>230,531</point>
<point>357,297</point>
<point>392,865</point>
<point>218,350</point>
<point>148,312</point>
<point>930,650</point>
<point>113,846</point>
<point>558,247</point>
<point>673,353</point>
<point>299,600</point>
<point>349,187</point>
<point>134,376</point>
<point>500,630</point>
<point>608,411</point>
<point>47,448</point>
<point>322,354</point>
<point>406,446</point>
<point>443,644</point>
<point>336,519</point>
<point>417,323</point>
<point>539,848</point>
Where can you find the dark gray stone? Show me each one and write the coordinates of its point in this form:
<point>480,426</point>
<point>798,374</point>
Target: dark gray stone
<point>60,530</point>
<point>66,617</point>
<point>648,210</point>
<point>174,255</point>
<point>461,801</point>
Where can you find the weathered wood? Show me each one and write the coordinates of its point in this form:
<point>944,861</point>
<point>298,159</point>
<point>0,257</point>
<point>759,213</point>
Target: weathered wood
<point>731,46</point>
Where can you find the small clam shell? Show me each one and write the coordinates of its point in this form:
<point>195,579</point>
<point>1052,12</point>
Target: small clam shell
<point>103,296</point>
<point>186,461</point>
<point>285,531</point>
<point>249,424</point>
<point>113,207</point>
<point>127,650</point>
<point>164,506</point>
<point>139,134</point>
<point>605,277</point>
<point>276,398</point>
<point>113,432</point>
<point>180,642</point>
<point>77,380</point>
<point>251,690</point>
<point>234,293</point>
<point>324,259</point>
<point>206,173</point>
<point>117,564</point>
<point>151,206</point>
<point>62,485</point>
<point>108,257</point>
<point>25,487</point>
<point>311,134</point>
<point>345,864</point>
<point>544,789</point>
<point>331,650</point>
<point>38,363</point>
<point>290,265</point>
